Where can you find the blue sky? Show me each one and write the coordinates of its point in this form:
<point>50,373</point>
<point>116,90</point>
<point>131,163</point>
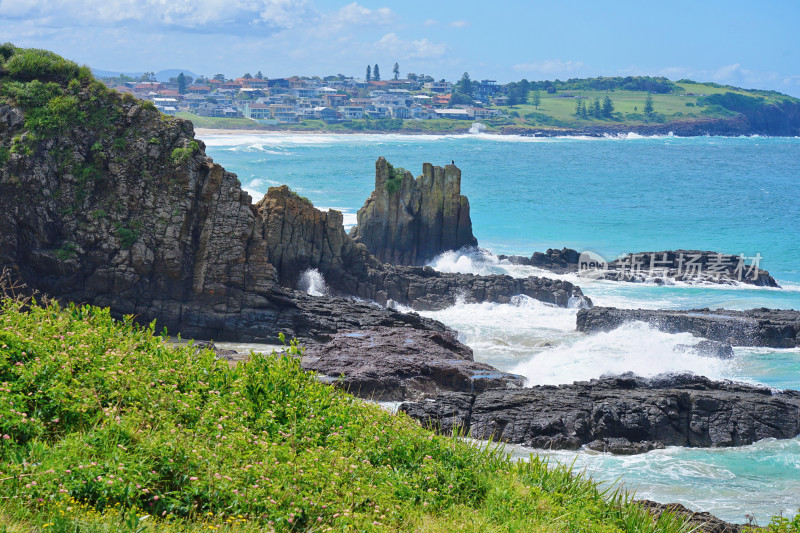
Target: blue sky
<point>751,44</point>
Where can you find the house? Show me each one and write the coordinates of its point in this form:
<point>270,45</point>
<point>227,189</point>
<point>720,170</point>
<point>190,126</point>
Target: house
<point>423,113</point>
<point>441,100</point>
<point>285,114</point>
<point>461,114</point>
<point>438,86</point>
<point>401,111</point>
<point>352,112</point>
<point>486,88</point>
<point>256,111</point>
<point>198,89</point>
<point>326,113</point>
<point>335,100</point>
<point>304,92</point>
<point>479,113</point>
<point>500,100</point>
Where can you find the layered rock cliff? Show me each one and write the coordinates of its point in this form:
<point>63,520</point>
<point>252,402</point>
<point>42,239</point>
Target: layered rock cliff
<point>409,221</point>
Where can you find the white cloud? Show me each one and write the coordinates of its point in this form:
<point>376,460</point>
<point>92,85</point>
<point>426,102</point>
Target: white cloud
<point>459,24</point>
<point>178,13</point>
<point>431,22</point>
<point>549,66</point>
<point>419,49</point>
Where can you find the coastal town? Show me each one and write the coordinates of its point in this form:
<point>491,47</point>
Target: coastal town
<point>331,99</point>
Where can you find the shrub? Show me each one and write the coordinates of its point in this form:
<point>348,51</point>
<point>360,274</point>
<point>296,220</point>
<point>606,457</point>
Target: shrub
<point>27,64</point>
<point>60,113</point>
<point>395,180</point>
<point>179,155</point>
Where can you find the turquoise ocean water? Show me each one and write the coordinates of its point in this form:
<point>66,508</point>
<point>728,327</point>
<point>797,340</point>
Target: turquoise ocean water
<point>610,196</point>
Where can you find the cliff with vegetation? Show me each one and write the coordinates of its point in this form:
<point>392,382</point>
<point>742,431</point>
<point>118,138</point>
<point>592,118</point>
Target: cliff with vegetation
<point>104,200</point>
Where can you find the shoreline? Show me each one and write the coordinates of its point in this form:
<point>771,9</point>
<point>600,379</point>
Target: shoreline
<point>549,134</point>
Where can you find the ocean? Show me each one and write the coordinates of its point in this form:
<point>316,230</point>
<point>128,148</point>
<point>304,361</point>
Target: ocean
<point>611,196</point>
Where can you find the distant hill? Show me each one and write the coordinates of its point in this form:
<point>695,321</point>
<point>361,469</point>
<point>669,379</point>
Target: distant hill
<point>161,75</point>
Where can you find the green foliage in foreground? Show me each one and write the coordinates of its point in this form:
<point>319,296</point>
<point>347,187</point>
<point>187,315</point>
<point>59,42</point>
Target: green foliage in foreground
<point>106,427</point>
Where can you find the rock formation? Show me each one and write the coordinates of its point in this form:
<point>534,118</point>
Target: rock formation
<point>774,328</point>
<point>122,208</point>
<point>390,364</point>
<point>692,266</point>
<point>625,414</point>
<point>409,221</point>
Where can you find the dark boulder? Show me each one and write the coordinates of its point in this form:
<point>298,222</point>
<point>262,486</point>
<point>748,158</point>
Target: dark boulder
<point>392,364</point>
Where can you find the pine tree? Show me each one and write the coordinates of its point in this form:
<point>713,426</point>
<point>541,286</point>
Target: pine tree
<point>369,73</point>
<point>648,105</point>
<point>536,99</point>
<point>608,107</point>
<point>376,73</point>
<point>396,71</point>
<point>181,83</point>
<point>579,109</point>
<point>597,109</point>
<point>259,76</point>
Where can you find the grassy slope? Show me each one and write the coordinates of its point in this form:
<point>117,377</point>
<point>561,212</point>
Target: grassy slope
<point>103,423</point>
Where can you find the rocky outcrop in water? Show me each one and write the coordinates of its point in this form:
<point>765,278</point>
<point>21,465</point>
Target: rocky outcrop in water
<point>774,328</point>
<point>696,522</point>
<point>691,266</point>
<point>409,221</point>
<point>625,414</point>
<point>390,364</point>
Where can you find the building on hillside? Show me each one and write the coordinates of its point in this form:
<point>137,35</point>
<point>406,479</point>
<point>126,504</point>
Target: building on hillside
<point>256,110</point>
<point>438,86</point>
<point>352,112</point>
<point>461,114</point>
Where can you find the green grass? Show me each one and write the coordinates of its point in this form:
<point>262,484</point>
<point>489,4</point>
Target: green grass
<point>218,122</point>
<point>107,427</point>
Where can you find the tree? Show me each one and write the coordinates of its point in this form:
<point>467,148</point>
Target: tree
<point>219,77</point>
<point>396,71</point>
<point>376,73</point>
<point>597,109</point>
<point>648,104</point>
<point>578,107</point>
<point>247,76</point>
<point>259,76</point>
<point>464,85</point>
<point>411,76</point>
<point>608,107</point>
<point>369,73</point>
<point>536,100</point>
<point>181,81</point>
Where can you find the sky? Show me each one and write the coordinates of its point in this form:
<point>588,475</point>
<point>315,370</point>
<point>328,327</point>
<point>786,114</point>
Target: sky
<point>748,44</point>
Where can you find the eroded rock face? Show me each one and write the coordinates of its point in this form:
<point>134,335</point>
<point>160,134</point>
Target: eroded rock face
<point>392,364</point>
<point>775,328</point>
<point>625,414</point>
<point>409,221</point>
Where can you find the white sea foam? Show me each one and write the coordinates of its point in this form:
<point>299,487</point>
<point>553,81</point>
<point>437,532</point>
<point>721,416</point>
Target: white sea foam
<point>312,282</point>
<point>634,347</point>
